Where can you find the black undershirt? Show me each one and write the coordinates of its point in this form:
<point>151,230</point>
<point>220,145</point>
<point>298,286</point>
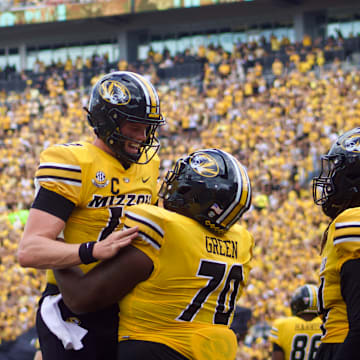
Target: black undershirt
<point>53,203</point>
<point>277,347</point>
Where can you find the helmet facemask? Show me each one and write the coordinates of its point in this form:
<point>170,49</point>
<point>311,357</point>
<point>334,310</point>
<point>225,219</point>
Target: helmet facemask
<point>337,186</point>
<point>171,199</point>
<point>116,139</point>
<point>323,185</point>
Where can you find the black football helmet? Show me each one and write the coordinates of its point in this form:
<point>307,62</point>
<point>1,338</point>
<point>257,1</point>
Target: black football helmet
<point>304,300</point>
<point>125,96</point>
<point>209,186</point>
<point>338,185</point>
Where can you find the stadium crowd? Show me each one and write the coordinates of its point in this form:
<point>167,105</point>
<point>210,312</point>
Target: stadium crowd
<point>276,127</point>
<point>264,57</point>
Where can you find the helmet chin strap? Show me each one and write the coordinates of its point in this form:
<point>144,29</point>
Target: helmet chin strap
<point>125,158</point>
<point>333,210</point>
<point>120,152</point>
<point>124,162</point>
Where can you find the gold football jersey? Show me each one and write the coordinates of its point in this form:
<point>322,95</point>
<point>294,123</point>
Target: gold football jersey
<point>188,301</point>
<point>342,244</point>
<point>98,185</point>
<point>298,338</point>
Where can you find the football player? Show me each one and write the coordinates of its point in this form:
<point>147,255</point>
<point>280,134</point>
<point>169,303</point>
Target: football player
<point>179,280</point>
<point>298,336</point>
<point>82,191</point>
<point>337,190</point>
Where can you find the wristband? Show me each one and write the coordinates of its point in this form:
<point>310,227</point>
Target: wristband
<point>86,252</point>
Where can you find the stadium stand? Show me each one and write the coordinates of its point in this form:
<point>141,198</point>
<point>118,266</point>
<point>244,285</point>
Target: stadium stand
<point>188,64</point>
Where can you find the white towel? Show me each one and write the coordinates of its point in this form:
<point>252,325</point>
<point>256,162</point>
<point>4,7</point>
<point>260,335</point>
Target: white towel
<point>69,333</point>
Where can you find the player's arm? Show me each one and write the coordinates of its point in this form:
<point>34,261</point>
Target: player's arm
<point>277,353</point>
<point>105,284</point>
<point>350,290</point>
<point>40,247</point>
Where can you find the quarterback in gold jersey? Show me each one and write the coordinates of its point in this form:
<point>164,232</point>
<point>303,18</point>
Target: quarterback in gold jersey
<point>298,337</point>
<point>337,190</point>
<point>82,192</point>
<point>179,280</point>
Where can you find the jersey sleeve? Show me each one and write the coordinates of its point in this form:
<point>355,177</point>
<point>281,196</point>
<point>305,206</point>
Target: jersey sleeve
<point>346,238</point>
<point>59,171</point>
<point>251,249</point>
<point>275,332</point>
<point>151,229</point>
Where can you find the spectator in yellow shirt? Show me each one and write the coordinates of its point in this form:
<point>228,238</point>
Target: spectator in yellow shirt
<point>277,67</point>
<point>307,41</point>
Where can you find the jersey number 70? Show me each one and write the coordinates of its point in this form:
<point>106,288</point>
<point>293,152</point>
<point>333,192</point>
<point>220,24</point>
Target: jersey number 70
<point>215,271</point>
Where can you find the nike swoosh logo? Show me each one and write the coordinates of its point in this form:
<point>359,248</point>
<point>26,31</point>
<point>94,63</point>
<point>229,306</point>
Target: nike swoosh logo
<point>145,180</point>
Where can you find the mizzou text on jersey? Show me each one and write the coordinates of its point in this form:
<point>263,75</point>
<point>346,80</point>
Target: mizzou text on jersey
<point>98,185</point>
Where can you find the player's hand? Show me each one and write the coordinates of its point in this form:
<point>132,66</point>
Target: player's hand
<point>109,247</point>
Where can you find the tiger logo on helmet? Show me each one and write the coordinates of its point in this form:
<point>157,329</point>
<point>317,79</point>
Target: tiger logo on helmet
<point>204,165</point>
<point>114,92</point>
